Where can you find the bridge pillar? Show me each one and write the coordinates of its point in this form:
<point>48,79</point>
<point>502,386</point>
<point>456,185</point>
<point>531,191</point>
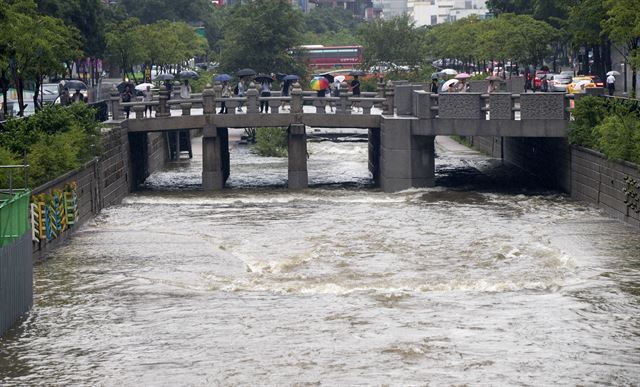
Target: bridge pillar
<point>389,93</point>
<point>213,175</point>
<point>116,110</point>
<point>252,99</point>
<point>296,99</point>
<point>406,160</point>
<point>163,111</point>
<point>298,176</point>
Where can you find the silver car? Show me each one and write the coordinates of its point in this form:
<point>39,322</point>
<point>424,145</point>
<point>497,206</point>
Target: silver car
<point>559,82</point>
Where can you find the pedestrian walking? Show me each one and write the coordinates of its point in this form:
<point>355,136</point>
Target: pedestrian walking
<point>126,97</point>
<point>434,85</point>
<point>355,90</point>
<point>265,91</point>
<point>147,97</point>
<point>239,91</point>
<point>611,84</point>
<point>286,91</point>
<point>185,90</point>
<point>492,87</point>
<point>226,93</point>
<point>77,96</point>
<point>169,86</point>
<point>65,98</point>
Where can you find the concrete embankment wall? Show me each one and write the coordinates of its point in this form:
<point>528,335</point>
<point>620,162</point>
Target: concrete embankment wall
<point>585,174</point>
<point>104,181</point>
<point>16,281</point>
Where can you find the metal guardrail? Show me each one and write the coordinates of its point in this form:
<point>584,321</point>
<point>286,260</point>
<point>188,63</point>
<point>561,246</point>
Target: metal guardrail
<point>8,169</point>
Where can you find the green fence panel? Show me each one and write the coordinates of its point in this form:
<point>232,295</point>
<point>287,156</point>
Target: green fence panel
<point>14,215</point>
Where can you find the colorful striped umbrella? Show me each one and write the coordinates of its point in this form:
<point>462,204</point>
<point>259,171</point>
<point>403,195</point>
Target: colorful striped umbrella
<point>319,83</point>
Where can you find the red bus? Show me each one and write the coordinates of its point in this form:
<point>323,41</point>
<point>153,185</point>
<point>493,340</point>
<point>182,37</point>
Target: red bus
<point>320,57</point>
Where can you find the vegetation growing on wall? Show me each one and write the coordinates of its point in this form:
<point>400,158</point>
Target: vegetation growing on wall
<point>609,126</point>
<point>54,141</point>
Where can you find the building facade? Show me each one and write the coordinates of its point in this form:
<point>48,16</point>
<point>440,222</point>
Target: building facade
<point>432,12</point>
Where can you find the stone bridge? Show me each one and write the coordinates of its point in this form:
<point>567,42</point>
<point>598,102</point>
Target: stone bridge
<point>402,121</point>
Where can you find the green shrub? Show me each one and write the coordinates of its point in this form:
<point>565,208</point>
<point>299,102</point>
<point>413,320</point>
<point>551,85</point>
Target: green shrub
<point>619,137</point>
<point>56,140</point>
<point>589,111</point>
<point>271,142</point>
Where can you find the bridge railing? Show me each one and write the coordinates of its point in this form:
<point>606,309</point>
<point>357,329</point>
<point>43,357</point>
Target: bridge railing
<point>250,103</point>
<point>483,106</point>
<point>395,99</point>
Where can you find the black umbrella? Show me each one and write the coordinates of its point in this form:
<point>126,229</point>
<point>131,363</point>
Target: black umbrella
<point>74,84</point>
<point>164,77</point>
<point>245,73</point>
<point>357,73</point>
<point>329,77</point>
<point>280,76</point>
<point>188,74</point>
<point>122,86</point>
<point>291,77</point>
<point>263,78</point>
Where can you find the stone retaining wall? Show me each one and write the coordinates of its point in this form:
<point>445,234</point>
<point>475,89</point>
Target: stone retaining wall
<point>600,181</point>
<point>585,174</point>
<point>102,182</point>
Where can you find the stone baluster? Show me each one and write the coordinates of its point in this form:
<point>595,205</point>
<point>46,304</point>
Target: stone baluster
<point>296,99</point>
<point>163,108</point>
<point>217,88</point>
<point>366,106</point>
<point>208,101</point>
<point>344,105</point>
<point>274,106</point>
<point>252,98</point>
<point>320,105</point>
<point>116,109</point>
<point>186,108</point>
<point>139,111</point>
<point>380,88</point>
<point>389,94</point>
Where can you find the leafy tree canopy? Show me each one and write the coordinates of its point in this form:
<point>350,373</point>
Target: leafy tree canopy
<point>258,35</point>
<point>396,40</point>
<point>150,11</point>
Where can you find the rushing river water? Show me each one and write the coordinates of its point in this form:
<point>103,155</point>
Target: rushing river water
<point>477,282</point>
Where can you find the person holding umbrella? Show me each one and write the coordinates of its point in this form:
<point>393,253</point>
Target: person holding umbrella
<point>185,90</point>
<point>147,97</point>
<point>611,82</point>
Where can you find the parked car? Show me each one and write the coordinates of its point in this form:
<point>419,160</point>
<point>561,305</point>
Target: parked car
<point>569,73</point>
<point>559,82</point>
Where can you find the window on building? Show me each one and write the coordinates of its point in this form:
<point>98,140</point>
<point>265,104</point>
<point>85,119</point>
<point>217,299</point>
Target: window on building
<point>467,4</point>
<point>434,20</point>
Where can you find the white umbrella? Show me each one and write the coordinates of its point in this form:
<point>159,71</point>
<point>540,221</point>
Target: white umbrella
<point>614,73</point>
<point>449,72</point>
<point>448,84</point>
<point>143,86</point>
<point>339,78</point>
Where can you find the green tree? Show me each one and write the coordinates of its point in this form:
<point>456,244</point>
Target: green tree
<point>498,7</point>
<point>396,40</point>
<point>124,44</point>
<point>623,28</point>
<point>258,35</point>
<point>35,45</point>
<point>151,11</point>
<point>87,16</point>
